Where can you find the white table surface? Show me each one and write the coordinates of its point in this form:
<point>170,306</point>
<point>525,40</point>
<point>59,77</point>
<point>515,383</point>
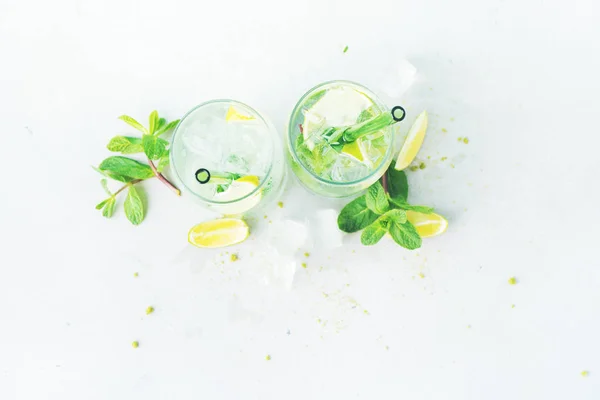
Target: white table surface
<point>520,79</point>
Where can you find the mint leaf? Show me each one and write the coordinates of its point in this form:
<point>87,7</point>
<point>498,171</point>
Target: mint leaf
<point>376,199</point>
<point>104,184</point>
<point>154,147</point>
<point>101,205</point>
<point>372,233</point>
<point>405,206</point>
<point>124,169</point>
<point>356,216</point>
<point>397,183</point>
<point>365,115</point>
<point>152,122</point>
<point>125,145</point>
<point>166,128</point>
<point>163,162</point>
<point>161,123</point>
<point>395,216</point>
<point>133,123</point>
<point>134,206</point>
<point>112,175</point>
<point>109,208</point>
<point>312,100</point>
<point>405,235</point>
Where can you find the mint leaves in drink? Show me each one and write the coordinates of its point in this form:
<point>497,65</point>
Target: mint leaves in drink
<point>130,171</point>
<point>383,210</point>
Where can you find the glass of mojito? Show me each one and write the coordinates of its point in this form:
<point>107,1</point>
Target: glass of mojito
<point>228,156</point>
<point>340,138</point>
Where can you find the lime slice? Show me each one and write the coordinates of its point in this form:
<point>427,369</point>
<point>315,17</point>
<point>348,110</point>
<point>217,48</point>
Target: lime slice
<point>358,151</point>
<point>234,115</point>
<point>427,225</point>
<point>219,233</point>
<point>240,188</point>
<point>413,142</point>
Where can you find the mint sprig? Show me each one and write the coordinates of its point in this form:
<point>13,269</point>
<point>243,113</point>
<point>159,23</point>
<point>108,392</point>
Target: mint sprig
<point>132,172</point>
<point>383,210</point>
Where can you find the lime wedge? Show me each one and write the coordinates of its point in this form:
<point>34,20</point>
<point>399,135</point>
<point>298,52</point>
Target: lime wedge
<point>218,233</point>
<point>427,225</point>
<point>237,190</point>
<point>413,143</point>
<point>234,115</point>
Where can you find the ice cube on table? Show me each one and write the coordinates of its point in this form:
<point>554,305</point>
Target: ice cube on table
<point>324,229</point>
<point>273,267</point>
<point>399,79</point>
<point>287,236</point>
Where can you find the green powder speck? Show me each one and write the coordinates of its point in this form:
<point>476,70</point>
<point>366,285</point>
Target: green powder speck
<point>421,275</point>
<point>234,257</point>
<point>280,204</point>
<point>413,168</point>
<point>135,274</point>
<point>366,312</point>
<point>307,254</point>
<point>422,166</point>
<point>268,357</point>
<point>585,374</point>
<point>444,158</point>
<point>444,130</point>
<point>149,310</point>
<point>460,139</point>
<point>466,140</point>
<point>135,344</point>
<point>345,49</point>
<point>303,265</point>
<point>513,306</point>
<point>512,281</point>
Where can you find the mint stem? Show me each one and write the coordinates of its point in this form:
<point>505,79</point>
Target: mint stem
<point>384,182</point>
<point>130,183</point>
<point>163,179</point>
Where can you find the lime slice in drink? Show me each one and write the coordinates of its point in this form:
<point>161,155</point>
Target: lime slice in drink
<point>219,233</point>
<point>238,189</point>
<point>234,115</point>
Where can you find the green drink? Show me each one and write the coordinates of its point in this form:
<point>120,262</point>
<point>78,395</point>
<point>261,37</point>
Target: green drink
<point>340,138</point>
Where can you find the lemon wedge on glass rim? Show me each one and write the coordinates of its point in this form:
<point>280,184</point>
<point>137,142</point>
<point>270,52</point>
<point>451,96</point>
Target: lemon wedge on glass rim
<point>427,225</point>
<point>413,142</point>
<point>219,233</point>
<point>238,189</point>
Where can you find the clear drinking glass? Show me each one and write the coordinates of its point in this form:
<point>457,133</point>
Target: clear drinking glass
<point>228,156</point>
<point>345,171</point>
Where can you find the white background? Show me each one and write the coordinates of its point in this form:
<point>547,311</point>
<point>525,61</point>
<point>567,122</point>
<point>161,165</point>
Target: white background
<point>518,78</point>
